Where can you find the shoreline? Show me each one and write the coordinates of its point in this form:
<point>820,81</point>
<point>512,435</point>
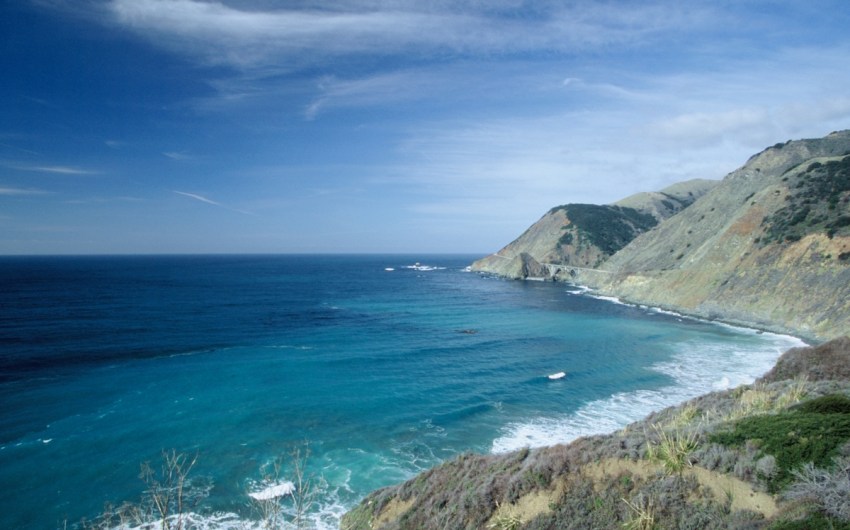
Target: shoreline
<point>692,373</point>
<point>738,325</point>
<point>762,327</point>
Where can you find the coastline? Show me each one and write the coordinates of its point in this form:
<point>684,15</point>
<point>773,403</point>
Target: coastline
<point>732,323</point>
<point>608,415</point>
<point>714,317</point>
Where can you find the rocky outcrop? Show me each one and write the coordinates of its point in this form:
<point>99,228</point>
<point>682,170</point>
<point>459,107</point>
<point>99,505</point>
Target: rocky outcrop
<point>519,267</point>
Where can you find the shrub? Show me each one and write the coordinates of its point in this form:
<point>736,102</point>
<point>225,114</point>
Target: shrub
<point>820,187</point>
<point>815,521</point>
<point>673,450</point>
<point>793,437</point>
<point>609,227</point>
<point>831,404</point>
<point>828,490</point>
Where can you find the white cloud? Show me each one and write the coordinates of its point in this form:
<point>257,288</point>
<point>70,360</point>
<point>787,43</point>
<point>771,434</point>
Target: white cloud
<point>20,191</point>
<point>706,126</point>
<point>198,197</point>
<point>206,200</point>
<point>220,33</point>
<point>177,155</point>
<point>396,87</point>
<point>59,170</point>
<point>639,133</point>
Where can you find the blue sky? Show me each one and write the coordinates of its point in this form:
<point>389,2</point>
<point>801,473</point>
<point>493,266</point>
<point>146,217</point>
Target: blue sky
<point>189,126</point>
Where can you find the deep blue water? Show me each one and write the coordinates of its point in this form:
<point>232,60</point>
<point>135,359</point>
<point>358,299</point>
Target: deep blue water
<point>106,361</point>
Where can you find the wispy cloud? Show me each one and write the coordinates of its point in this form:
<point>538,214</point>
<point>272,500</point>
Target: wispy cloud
<point>106,200</point>
<point>639,133</point>
<point>250,37</point>
<point>381,89</point>
<point>21,191</point>
<point>177,155</point>
<point>58,170</point>
<point>206,200</point>
<point>198,197</point>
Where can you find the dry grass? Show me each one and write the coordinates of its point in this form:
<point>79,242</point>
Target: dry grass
<point>642,514</point>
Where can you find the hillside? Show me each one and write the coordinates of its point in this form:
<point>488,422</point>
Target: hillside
<point>774,454</point>
<point>585,235</point>
<point>669,201</point>
<point>768,246</point>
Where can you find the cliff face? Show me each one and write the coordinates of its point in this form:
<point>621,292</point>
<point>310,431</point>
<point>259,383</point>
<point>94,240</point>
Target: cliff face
<point>768,246</point>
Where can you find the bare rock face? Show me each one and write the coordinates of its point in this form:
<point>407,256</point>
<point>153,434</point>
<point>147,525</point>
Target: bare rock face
<point>520,267</point>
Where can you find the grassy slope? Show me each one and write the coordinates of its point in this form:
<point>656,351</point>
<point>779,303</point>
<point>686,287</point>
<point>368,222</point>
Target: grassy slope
<point>698,465</point>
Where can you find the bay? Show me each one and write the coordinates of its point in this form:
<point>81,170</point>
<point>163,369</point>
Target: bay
<point>107,361</point>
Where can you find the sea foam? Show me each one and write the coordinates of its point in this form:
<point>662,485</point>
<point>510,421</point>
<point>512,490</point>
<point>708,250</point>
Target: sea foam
<point>698,368</point>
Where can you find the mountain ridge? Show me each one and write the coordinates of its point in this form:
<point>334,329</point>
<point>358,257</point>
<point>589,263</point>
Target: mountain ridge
<point>768,246</point>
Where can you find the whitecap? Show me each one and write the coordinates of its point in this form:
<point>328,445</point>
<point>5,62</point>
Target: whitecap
<point>273,491</point>
<point>697,368</point>
<point>612,299</point>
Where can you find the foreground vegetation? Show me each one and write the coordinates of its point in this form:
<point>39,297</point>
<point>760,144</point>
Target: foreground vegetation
<point>774,454</point>
<point>173,498</point>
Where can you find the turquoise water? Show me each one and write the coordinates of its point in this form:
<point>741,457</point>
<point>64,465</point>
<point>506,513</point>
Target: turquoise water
<point>107,361</point>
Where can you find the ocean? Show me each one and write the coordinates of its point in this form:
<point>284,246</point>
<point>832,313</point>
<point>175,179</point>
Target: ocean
<point>379,366</point>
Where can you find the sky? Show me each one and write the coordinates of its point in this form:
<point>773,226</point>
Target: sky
<point>385,126</point>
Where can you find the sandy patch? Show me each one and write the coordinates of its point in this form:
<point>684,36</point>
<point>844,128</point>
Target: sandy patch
<point>529,505</point>
<point>744,497</point>
<point>392,511</point>
<point>723,487</point>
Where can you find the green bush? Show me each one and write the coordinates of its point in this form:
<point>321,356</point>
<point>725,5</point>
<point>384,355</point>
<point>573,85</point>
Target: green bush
<point>812,432</point>
<point>815,195</point>
<point>608,227</point>
<point>831,404</point>
<point>814,521</point>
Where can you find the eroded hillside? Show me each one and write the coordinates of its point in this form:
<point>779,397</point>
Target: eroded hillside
<point>767,247</point>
